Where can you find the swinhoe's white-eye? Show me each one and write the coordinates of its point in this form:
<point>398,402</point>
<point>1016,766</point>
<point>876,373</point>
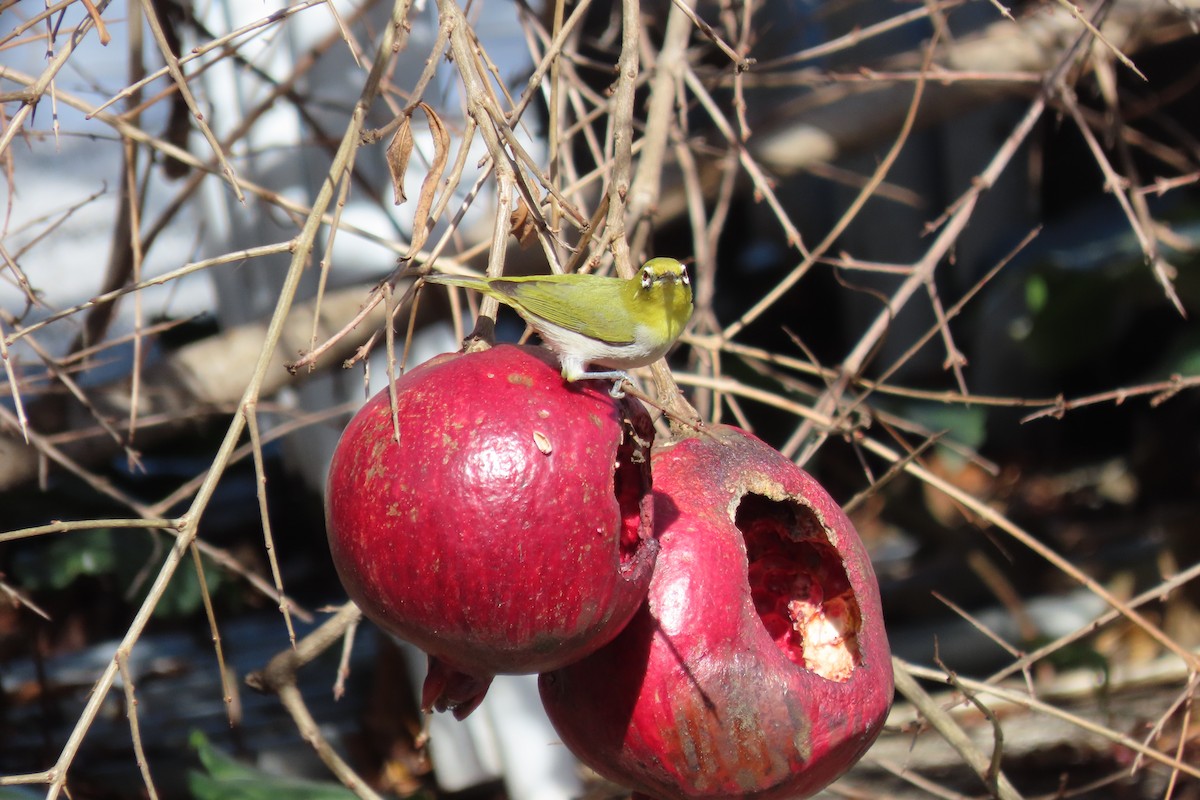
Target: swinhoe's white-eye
<point>589,319</point>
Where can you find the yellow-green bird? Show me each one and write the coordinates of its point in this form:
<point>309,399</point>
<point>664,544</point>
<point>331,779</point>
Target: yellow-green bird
<point>589,319</point>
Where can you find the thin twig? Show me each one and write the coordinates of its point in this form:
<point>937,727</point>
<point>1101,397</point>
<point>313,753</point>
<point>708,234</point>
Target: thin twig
<point>994,517</point>
<point>955,222</point>
<point>1133,205</point>
<point>37,87</point>
<point>778,290</point>
<point>1151,595</point>
<point>1160,392</point>
<point>214,630</point>
<point>339,683</point>
<point>168,149</point>
<point>185,91</point>
<point>18,598</point>
<point>858,35</point>
<point>620,139</point>
<point>1074,11</point>
<point>131,704</point>
<point>740,62</point>
<point>189,521</point>
<point>279,677</point>
<point>1032,703</point>
<point>14,385</point>
<point>661,111</point>
<point>763,186</point>
<point>199,51</point>
<point>250,411</point>
<point>949,730</point>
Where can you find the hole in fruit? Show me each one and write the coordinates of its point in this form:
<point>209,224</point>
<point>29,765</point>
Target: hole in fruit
<point>799,586</point>
<point>631,482</point>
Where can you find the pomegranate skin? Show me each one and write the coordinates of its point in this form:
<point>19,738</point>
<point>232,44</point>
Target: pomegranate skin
<point>758,666</point>
<point>508,531</point>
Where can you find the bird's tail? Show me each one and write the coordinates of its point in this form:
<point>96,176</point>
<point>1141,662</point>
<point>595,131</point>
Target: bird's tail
<point>465,282</point>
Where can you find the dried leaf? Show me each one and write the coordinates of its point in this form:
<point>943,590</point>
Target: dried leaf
<point>441,154</point>
<point>399,151</point>
<point>521,225</point>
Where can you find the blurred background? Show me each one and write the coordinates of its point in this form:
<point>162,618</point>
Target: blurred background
<point>945,257</point>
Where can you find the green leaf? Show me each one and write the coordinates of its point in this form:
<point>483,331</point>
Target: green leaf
<point>219,764</point>
<point>68,558</point>
<point>966,425</point>
<point>183,595</point>
<point>122,557</point>
<point>229,779</point>
<point>1037,292</point>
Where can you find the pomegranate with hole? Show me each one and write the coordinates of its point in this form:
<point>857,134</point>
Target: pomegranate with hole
<point>758,666</point>
<point>508,530</point>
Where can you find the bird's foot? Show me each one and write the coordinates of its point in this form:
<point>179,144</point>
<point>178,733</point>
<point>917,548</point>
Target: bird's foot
<point>617,376</point>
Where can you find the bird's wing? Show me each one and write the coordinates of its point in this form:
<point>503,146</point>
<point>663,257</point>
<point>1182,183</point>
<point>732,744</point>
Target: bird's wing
<point>581,309</point>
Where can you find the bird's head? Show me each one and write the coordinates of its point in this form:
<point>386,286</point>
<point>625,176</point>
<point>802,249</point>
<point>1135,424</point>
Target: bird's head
<point>664,290</point>
<point>664,271</point>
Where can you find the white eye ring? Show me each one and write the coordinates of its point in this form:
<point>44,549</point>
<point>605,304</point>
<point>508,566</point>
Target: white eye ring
<point>684,279</point>
<point>647,279</point>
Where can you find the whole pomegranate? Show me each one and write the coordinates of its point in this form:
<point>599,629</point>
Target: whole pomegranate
<point>758,666</point>
<point>509,528</point>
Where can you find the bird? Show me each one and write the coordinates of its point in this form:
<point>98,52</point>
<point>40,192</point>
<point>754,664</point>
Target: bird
<point>618,323</point>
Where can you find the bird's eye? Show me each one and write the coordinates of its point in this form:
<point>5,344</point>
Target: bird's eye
<point>647,279</point>
<point>683,277</point>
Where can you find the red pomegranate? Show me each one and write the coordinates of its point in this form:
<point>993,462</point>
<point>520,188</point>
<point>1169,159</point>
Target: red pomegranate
<point>758,666</point>
<point>509,528</point>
